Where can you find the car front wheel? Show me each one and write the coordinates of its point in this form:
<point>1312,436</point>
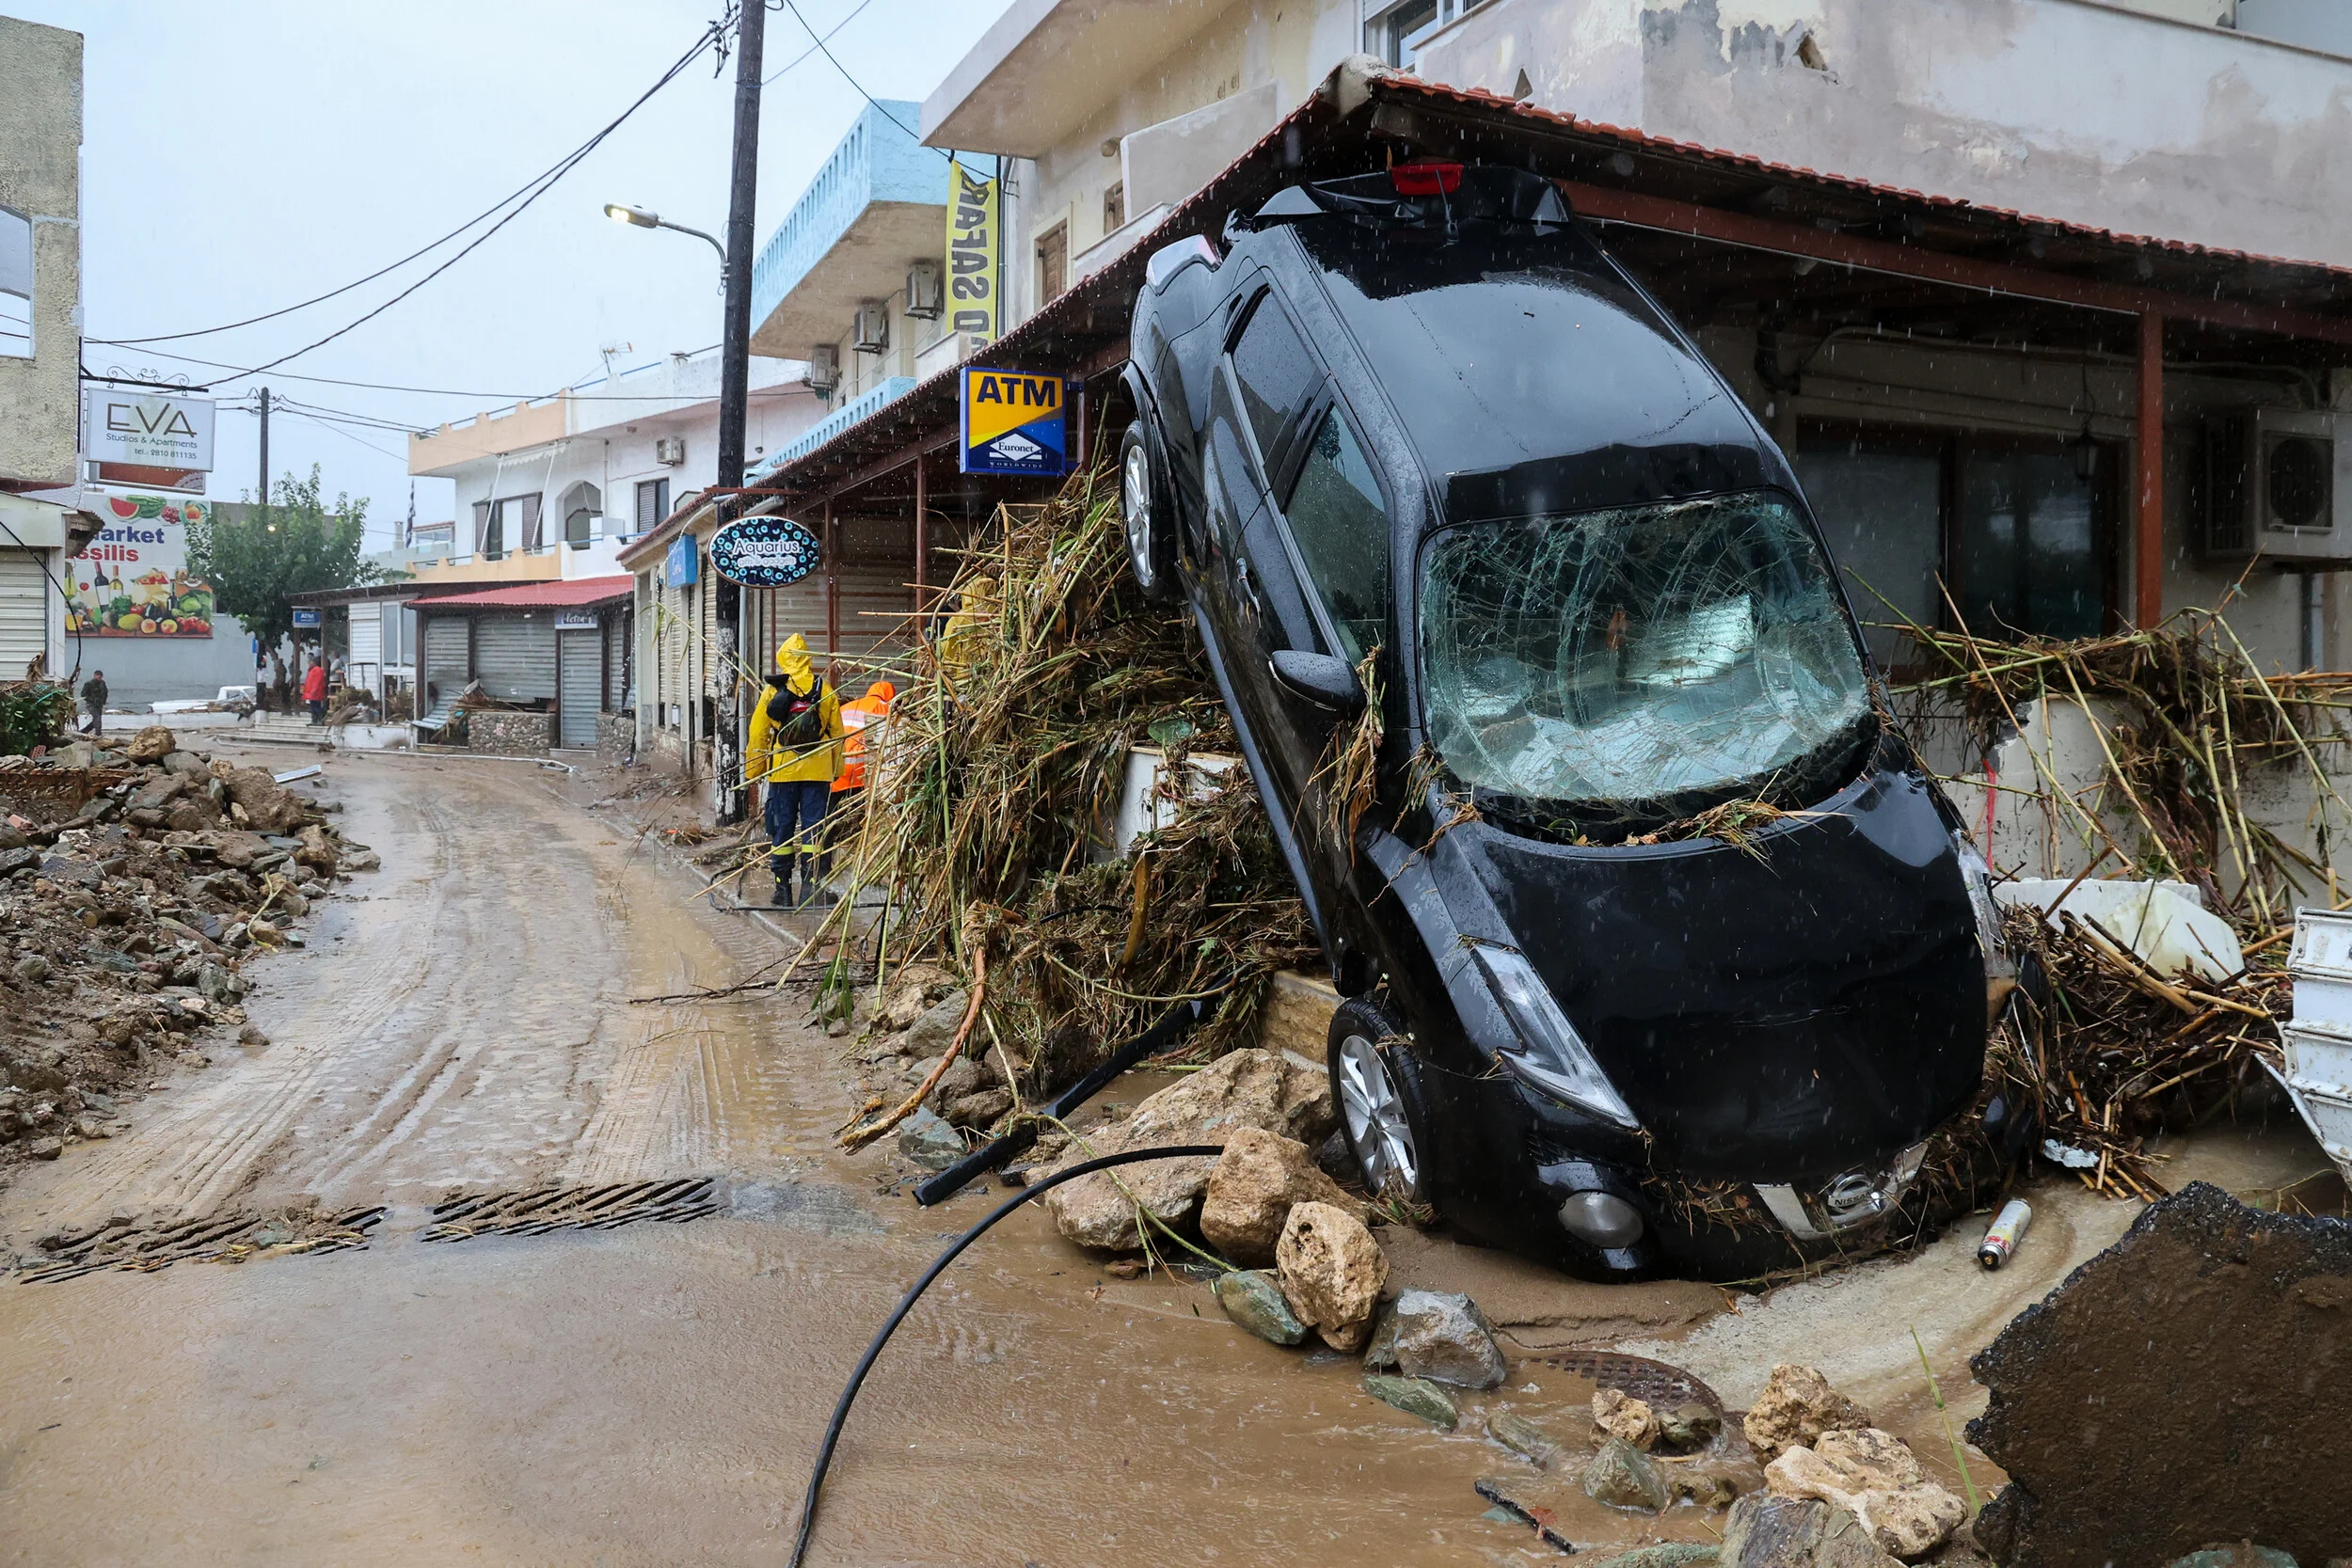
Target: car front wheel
<point>1370,1086</point>
<point>1143,512</point>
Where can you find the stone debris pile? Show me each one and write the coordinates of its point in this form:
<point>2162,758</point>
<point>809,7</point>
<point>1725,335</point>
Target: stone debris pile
<point>135,884</point>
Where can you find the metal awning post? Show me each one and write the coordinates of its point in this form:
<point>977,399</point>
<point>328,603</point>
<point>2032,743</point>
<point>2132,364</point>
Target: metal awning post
<point>922,545</point>
<point>2147,493</point>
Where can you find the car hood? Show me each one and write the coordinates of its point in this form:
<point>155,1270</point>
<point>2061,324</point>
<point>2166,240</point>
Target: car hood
<point>1787,1010</point>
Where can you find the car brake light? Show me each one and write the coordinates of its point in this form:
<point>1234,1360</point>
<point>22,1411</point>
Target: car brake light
<point>1427,178</point>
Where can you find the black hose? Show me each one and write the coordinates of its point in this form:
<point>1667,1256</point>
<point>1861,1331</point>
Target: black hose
<point>906,1305</point>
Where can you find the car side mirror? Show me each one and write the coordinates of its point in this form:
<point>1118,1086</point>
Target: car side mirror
<point>1323,679</point>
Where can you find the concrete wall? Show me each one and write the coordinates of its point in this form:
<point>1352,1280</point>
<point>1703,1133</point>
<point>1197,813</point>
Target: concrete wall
<point>144,670</point>
<point>2064,109</point>
<point>41,159</point>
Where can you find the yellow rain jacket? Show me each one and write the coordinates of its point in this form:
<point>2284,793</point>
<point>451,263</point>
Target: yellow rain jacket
<point>771,757</point>
<point>959,643</point>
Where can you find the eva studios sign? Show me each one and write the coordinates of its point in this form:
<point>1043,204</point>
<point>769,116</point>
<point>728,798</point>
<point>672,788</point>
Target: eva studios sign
<point>152,431</point>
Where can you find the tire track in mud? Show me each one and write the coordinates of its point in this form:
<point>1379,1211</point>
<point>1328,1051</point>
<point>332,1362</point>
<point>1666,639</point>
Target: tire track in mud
<point>471,1028</point>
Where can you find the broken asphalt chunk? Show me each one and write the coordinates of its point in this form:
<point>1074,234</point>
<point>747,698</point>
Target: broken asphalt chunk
<point>2172,1391</point>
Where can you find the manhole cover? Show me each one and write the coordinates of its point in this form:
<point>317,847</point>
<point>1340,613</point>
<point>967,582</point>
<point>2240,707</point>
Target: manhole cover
<point>1654,1382</point>
<point>217,1238</point>
<point>471,1214</point>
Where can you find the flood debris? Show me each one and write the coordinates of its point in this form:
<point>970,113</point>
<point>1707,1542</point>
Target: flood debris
<point>1440,1336</point>
<point>1796,1407</point>
<point>1622,1476</point>
<point>1332,1273</point>
<point>2176,1389</point>
<point>135,887</point>
<point>1254,1299</point>
<point>1874,1476</point>
<point>2002,1236</point>
<point>1415,1396</point>
<point>129,1244</point>
<point>1252,1188</point>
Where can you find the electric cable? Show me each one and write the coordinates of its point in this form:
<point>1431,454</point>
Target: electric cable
<point>906,1305</point>
<point>854,82</point>
<point>549,176</point>
<point>829,32</point>
<point>775,390</point>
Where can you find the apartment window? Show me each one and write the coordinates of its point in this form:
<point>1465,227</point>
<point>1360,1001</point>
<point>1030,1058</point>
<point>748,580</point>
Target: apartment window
<point>1113,206</point>
<point>1052,262</point>
<point>582,502</point>
<point>510,523</point>
<point>16,285</point>
<point>653,503</point>
<point>1397,31</point>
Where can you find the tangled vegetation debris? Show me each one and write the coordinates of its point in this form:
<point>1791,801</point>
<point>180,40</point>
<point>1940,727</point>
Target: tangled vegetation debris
<point>986,813</point>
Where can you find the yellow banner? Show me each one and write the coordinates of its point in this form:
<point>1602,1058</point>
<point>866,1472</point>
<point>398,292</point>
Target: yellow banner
<point>974,207</point>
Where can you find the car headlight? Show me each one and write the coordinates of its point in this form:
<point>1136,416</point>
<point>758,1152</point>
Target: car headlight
<point>2000,970</point>
<point>1551,1057</point>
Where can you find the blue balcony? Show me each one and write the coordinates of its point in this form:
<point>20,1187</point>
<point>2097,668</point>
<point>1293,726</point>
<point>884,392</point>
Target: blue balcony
<point>879,203</point>
<point>832,425</point>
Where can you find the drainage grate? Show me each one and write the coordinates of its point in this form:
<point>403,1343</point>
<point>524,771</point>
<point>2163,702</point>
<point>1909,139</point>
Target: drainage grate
<point>217,1238</point>
<point>571,1208</point>
<point>1654,1382</point>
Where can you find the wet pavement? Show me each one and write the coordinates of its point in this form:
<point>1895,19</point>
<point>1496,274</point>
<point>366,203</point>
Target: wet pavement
<point>654,1394</point>
<point>650,1394</point>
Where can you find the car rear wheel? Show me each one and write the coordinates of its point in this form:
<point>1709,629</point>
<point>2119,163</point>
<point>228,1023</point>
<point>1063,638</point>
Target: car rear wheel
<point>1370,1086</point>
<point>1144,513</point>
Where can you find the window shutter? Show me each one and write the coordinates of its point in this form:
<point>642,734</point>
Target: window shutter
<point>531,522</point>
<point>481,527</point>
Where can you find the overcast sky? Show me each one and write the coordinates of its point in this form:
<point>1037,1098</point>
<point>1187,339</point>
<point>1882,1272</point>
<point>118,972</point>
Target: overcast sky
<point>241,155</point>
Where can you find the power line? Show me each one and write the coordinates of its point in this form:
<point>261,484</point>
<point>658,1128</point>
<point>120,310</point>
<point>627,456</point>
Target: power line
<point>453,392</point>
<point>869,98</point>
<point>829,32</point>
<point>537,188</point>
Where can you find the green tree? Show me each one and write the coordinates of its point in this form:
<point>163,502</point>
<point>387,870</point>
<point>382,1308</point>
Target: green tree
<point>258,559</point>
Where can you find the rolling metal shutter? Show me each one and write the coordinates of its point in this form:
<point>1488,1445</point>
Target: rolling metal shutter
<point>876,604</point>
<point>367,634</point>
<point>580,663</point>
<point>447,651</point>
<point>23,613</point>
<point>513,657</point>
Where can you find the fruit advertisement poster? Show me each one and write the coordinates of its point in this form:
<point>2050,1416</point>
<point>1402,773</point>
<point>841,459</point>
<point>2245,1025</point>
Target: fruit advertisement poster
<point>132,580</point>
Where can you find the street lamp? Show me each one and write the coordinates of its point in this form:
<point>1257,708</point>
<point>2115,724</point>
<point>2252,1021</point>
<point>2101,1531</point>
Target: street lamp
<point>640,218</point>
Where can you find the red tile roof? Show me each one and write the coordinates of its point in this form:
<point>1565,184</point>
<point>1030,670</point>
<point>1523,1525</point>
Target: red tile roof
<point>575,594</point>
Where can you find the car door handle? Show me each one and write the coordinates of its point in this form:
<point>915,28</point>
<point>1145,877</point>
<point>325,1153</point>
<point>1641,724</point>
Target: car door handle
<point>1249,586</point>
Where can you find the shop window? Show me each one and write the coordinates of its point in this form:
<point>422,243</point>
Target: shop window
<point>2028,549</point>
<point>16,285</point>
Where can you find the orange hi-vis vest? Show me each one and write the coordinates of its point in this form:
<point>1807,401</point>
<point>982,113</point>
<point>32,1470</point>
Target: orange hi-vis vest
<point>872,708</point>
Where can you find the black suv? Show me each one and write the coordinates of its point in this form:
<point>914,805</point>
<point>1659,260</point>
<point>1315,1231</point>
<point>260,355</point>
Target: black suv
<point>1412,439</point>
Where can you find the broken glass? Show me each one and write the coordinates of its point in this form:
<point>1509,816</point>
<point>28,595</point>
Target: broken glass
<point>1643,654</point>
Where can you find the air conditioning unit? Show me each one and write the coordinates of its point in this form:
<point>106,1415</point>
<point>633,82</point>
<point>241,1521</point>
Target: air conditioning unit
<point>824,369</point>
<point>926,299</point>
<point>669,449</point>
<point>2273,488</point>
<point>869,332</point>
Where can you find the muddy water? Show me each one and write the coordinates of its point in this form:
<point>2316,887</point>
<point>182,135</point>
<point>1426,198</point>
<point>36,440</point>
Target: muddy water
<point>650,1395</point>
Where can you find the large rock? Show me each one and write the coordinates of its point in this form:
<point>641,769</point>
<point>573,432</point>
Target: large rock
<point>912,991</point>
<point>1332,1272</point>
<point>317,850</point>
<point>1523,1437</point>
<point>981,1109</point>
<point>2183,1386</point>
<point>1767,1531</point>
<point>1875,1478</point>
<point>934,1030</point>
<point>1253,1187</point>
<point>1253,1300</point>
<point>1623,1476</point>
<point>268,809</point>
<point>1797,1406</point>
<point>157,792</point>
<point>1618,1414</point>
<point>151,744</point>
<point>1415,1396</point>
<point>1245,1089</point>
<point>1441,1336</point>
<point>929,1141</point>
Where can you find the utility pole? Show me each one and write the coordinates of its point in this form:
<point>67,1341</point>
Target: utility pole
<point>264,496</point>
<point>735,381</point>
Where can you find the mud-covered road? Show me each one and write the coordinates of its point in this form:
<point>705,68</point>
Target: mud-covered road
<point>644,1395</point>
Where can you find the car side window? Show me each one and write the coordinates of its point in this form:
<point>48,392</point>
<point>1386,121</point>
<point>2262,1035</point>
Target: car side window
<point>1275,374</point>
<point>1341,530</point>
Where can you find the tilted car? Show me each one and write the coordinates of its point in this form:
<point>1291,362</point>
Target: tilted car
<point>1413,439</point>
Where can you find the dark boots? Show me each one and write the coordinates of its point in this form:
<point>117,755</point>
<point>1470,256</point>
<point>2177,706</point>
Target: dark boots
<point>781,866</point>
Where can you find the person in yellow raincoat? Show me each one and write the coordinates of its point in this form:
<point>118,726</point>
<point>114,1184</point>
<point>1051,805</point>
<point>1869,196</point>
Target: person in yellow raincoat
<point>795,750</point>
<point>861,718</point>
<point>957,642</point>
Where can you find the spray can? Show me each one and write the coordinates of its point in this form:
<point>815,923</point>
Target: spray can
<point>2009,1228</point>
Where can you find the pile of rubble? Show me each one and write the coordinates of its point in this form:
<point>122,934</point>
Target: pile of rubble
<point>135,885</point>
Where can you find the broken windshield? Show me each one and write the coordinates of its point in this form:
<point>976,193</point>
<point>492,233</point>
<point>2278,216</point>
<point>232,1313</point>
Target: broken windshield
<point>1639,655</point>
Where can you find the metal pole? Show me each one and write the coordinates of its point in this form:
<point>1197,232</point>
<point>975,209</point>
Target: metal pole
<point>922,545</point>
<point>264,496</point>
<point>734,374</point>
<point>2148,516</point>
